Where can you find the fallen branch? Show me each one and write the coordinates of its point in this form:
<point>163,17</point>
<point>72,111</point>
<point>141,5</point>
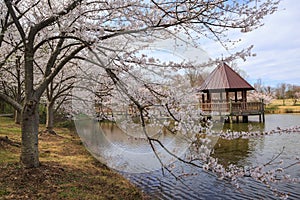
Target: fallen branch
<point>10,142</point>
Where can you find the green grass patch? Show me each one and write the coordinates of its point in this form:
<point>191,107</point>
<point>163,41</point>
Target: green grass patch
<point>66,124</point>
<point>280,106</point>
<point>271,109</point>
<point>70,193</point>
<point>9,128</point>
<point>7,156</point>
<point>4,191</point>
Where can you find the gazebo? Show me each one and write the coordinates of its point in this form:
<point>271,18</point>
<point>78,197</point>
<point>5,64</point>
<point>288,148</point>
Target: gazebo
<point>224,93</point>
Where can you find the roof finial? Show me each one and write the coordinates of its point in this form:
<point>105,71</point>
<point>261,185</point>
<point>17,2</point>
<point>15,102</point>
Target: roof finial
<point>222,61</point>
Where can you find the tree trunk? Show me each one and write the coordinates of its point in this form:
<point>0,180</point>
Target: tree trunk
<point>30,124</point>
<point>50,118</point>
<point>17,117</point>
<point>2,107</point>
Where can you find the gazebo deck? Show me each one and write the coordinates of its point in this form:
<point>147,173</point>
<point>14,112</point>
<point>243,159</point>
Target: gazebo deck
<point>233,107</point>
<point>230,109</point>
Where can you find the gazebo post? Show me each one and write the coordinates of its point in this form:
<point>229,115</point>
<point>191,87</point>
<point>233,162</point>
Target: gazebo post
<point>230,111</point>
<point>208,97</point>
<point>244,95</point>
<point>220,106</point>
<point>235,100</point>
<point>229,104</point>
<point>227,96</point>
<point>259,118</point>
<point>263,110</point>
<point>235,96</point>
<point>244,102</point>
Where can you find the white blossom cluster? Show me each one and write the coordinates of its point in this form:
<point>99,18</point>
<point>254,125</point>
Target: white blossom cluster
<point>259,96</point>
<point>229,135</point>
<point>269,173</point>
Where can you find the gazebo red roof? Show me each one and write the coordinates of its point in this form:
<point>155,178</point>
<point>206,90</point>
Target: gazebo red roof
<point>224,78</point>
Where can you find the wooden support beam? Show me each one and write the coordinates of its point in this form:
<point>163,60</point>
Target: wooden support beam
<point>245,119</point>
<point>260,118</point>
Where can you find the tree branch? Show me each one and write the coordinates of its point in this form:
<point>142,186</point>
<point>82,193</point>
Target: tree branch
<point>11,101</point>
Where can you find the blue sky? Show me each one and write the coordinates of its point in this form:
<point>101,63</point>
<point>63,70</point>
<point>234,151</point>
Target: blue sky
<point>276,45</point>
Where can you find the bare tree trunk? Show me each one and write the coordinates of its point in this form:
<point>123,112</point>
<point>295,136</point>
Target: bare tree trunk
<point>50,118</point>
<point>30,124</point>
<point>17,117</point>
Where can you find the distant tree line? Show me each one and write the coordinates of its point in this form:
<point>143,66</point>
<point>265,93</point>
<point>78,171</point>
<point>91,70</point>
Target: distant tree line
<point>281,91</point>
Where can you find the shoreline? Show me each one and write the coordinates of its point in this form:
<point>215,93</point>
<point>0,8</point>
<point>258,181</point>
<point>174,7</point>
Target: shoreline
<point>282,109</point>
<point>281,106</point>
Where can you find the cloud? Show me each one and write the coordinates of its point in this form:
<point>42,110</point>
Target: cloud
<point>277,45</point>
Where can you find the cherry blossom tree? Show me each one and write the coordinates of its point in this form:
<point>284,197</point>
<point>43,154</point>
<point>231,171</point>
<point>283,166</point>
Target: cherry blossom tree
<point>57,93</point>
<point>31,27</point>
<point>73,26</point>
<point>259,96</point>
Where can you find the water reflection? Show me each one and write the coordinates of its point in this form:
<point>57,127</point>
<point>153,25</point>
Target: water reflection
<point>246,127</point>
<point>231,151</point>
<point>251,152</point>
<point>234,151</point>
<point>114,133</point>
<point>130,152</point>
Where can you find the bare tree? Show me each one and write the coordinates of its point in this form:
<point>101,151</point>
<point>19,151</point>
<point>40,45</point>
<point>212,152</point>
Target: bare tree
<point>293,92</point>
<point>281,92</point>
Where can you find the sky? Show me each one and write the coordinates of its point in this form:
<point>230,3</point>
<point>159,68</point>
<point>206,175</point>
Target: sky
<point>277,48</point>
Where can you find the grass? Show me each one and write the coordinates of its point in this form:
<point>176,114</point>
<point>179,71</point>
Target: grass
<point>280,106</point>
<point>286,102</point>
<point>67,170</point>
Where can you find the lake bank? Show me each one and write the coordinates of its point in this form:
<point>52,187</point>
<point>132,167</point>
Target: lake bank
<point>280,106</point>
<point>67,170</point>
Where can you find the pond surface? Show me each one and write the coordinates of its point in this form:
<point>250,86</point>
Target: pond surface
<point>253,151</point>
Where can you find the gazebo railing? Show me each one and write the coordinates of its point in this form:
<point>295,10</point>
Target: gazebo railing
<point>233,107</point>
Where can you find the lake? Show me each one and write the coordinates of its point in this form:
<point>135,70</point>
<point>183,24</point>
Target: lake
<point>242,152</point>
<point>115,149</point>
